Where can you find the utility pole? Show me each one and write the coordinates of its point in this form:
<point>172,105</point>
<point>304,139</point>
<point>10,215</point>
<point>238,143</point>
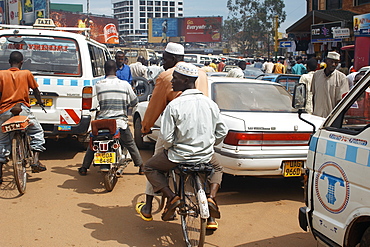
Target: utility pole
<point>276,35</point>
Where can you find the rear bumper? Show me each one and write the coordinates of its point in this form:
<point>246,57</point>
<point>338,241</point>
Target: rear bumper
<point>82,128</point>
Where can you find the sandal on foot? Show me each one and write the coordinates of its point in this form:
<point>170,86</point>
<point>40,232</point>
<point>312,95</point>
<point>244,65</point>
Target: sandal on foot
<point>169,211</point>
<point>213,208</point>
<point>141,170</point>
<point>36,168</point>
<point>82,171</point>
<point>212,224</point>
<point>138,208</point>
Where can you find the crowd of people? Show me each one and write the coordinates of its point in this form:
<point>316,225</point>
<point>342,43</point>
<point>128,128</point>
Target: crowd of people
<point>179,96</point>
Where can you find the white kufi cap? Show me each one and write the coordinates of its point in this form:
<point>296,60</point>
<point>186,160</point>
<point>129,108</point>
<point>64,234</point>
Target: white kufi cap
<point>187,69</point>
<point>333,55</point>
<point>175,48</point>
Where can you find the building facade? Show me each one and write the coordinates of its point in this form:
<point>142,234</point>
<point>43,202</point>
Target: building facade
<point>133,15</point>
<point>356,6</point>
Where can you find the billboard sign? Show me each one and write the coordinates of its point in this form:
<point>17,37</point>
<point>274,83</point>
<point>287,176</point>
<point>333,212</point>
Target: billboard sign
<point>202,29</point>
<point>40,8</point>
<point>13,11</point>
<point>2,13</point>
<point>102,29</point>
<point>325,32</point>
<point>361,25</point>
<point>165,26</point>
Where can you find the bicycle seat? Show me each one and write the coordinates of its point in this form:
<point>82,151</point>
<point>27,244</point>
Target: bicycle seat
<point>195,167</point>
<point>15,123</point>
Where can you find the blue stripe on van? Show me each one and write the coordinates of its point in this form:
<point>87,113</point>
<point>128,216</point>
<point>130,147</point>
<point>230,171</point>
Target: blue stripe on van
<point>368,159</point>
<point>46,81</point>
<point>87,83</point>
<point>74,82</point>
<point>313,143</point>
<point>331,148</point>
<point>60,82</point>
<point>351,153</point>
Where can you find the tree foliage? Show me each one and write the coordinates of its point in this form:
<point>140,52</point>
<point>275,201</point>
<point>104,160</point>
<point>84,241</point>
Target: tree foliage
<point>252,21</point>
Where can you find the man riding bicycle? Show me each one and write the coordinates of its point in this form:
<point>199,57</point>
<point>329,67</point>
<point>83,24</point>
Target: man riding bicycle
<point>14,93</point>
<point>191,125</point>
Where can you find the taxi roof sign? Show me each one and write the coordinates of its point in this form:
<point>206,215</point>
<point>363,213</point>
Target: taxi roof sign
<point>44,22</point>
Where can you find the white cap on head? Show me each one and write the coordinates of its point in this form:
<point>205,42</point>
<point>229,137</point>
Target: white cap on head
<point>187,69</point>
<point>175,48</point>
<point>333,55</point>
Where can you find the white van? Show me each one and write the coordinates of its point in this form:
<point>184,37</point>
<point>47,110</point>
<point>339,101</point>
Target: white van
<point>337,184</point>
<point>66,65</point>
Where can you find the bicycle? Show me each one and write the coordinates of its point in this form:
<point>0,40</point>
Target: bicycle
<point>193,207</point>
<point>22,155</point>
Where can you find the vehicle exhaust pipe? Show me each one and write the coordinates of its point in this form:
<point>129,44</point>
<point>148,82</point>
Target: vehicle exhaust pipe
<point>120,171</point>
<point>74,137</point>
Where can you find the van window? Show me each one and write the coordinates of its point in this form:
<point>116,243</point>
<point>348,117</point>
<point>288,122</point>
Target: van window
<point>357,116</point>
<point>43,55</point>
<point>98,58</point>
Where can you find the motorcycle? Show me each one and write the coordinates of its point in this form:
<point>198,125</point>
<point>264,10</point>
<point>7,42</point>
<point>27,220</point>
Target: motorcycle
<point>108,152</point>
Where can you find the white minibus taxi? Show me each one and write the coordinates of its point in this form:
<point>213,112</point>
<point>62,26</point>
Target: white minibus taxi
<point>65,65</point>
<point>337,184</point>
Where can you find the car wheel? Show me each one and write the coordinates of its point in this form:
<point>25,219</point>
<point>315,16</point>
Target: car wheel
<point>137,135</point>
<point>141,88</point>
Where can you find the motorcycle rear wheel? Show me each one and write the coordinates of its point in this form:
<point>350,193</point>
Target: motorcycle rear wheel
<point>110,179</point>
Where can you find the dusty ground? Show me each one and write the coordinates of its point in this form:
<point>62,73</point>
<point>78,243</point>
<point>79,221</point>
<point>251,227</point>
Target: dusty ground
<point>61,208</point>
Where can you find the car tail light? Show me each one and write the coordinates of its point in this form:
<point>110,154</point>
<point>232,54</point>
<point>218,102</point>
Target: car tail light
<point>267,138</point>
<point>87,98</point>
<point>95,148</point>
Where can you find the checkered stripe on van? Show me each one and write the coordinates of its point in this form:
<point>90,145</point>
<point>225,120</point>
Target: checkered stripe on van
<point>67,82</point>
<point>359,154</point>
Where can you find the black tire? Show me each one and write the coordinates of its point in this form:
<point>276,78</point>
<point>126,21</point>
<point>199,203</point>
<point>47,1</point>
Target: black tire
<point>365,240</point>
<point>192,225</point>
<point>19,159</point>
<point>142,88</point>
<point>110,179</point>
<point>137,135</point>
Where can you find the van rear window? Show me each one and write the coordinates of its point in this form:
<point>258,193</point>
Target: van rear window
<point>43,55</point>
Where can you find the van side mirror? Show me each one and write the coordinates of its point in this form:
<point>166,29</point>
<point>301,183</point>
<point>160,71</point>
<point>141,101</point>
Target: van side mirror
<point>299,96</point>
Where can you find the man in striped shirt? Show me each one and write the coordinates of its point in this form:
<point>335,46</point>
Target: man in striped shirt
<point>114,96</point>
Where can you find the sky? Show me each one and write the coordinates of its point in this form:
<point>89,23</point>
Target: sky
<point>295,9</point>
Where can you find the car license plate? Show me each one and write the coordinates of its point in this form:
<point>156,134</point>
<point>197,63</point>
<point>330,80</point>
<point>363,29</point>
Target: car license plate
<point>105,158</point>
<point>292,168</point>
<point>47,102</point>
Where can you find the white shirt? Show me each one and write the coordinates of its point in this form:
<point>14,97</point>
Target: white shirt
<point>268,67</point>
<point>139,70</point>
<point>236,72</point>
<point>114,96</point>
<point>191,125</point>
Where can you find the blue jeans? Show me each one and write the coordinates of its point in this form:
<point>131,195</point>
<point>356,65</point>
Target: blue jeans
<point>34,130</point>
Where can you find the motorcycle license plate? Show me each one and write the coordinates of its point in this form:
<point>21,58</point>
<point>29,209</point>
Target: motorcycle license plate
<point>47,102</point>
<point>292,168</point>
<point>105,158</point>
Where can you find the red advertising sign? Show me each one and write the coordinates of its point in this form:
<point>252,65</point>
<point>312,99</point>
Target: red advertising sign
<point>102,29</point>
<point>202,29</point>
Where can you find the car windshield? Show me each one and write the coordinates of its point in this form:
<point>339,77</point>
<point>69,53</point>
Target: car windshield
<point>251,97</point>
<point>43,55</point>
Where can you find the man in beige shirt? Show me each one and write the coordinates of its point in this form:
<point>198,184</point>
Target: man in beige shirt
<point>328,86</point>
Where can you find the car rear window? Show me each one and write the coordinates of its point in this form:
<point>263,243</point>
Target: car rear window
<point>43,55</point>
<point>251,97</point>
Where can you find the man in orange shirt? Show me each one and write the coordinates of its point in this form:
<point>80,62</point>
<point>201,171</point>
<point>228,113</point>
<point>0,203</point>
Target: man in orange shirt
<point>161,96</point>
<point>14,88</point>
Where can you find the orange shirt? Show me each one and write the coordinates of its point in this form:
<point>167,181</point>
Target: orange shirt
<point>14,86</point>
<point>163,94</point>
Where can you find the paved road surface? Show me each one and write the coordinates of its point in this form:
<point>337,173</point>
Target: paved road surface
<point>61,208</point>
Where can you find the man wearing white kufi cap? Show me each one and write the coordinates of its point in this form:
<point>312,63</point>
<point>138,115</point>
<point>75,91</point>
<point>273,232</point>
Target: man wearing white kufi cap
<point>328,86</point>
<point>191,125</point>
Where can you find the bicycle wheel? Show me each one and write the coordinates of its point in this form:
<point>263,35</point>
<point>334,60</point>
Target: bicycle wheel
<point>19,157</point>
<point>110,179</point>
<point>193,226</point>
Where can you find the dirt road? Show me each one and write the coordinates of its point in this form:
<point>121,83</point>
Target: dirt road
<point>61,208</point>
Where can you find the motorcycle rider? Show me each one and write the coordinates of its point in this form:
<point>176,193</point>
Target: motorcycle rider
<point>114,96</point>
